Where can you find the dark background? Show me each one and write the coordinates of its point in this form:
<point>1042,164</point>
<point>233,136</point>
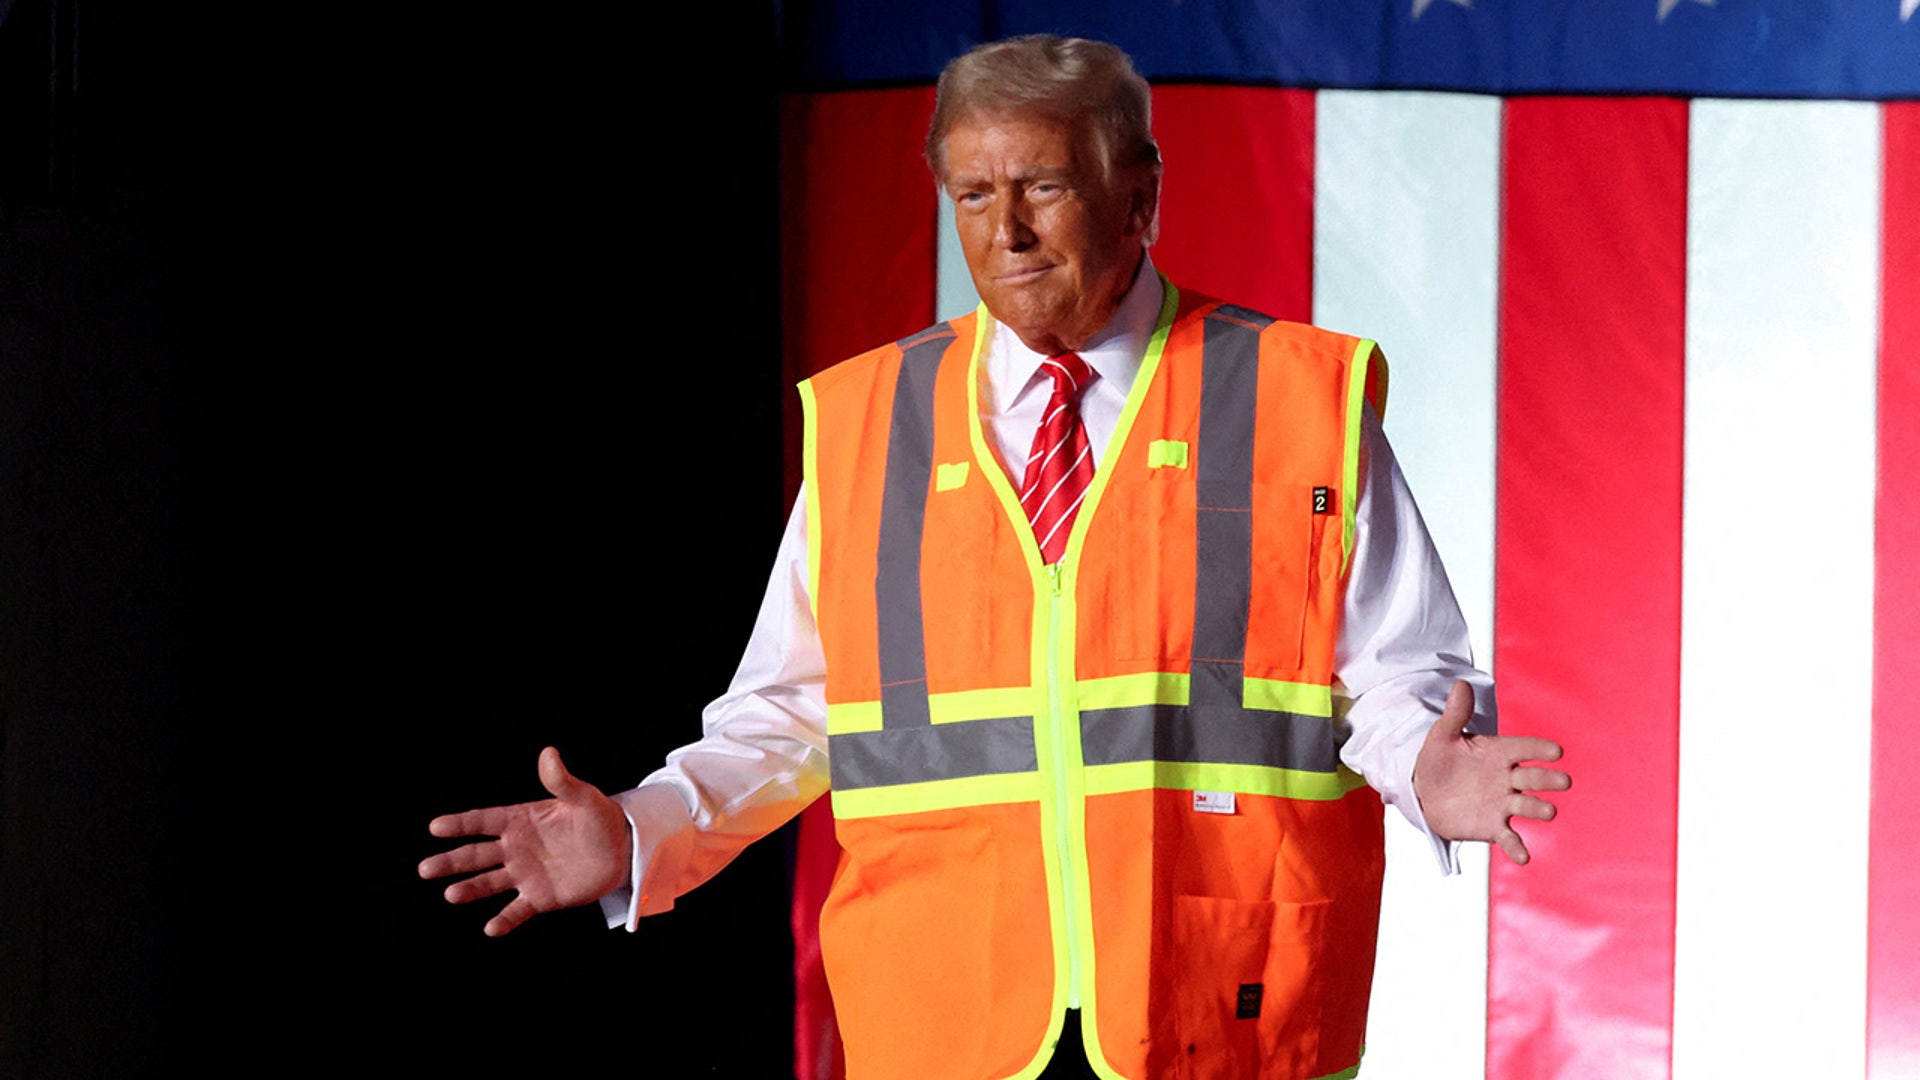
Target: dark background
<point>383,396</point>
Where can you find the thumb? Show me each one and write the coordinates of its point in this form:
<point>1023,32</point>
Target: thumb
<point>1459,710</point>
<point>554,776</point>
<point>1454,717</point>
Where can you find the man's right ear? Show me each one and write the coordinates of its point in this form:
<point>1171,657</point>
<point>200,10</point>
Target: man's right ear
<point>1146,208</point>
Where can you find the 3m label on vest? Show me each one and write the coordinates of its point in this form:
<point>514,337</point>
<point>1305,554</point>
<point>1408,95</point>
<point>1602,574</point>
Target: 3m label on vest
<point>1322,500</point>
<point>1249,1001</point>
<point>1213,802</point>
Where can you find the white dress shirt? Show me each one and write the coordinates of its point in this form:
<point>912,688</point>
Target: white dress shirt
<point>763,756</point>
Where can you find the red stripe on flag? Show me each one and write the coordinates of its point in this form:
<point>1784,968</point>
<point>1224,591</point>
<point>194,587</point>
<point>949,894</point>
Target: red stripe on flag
<point>858,217</point>
<point>857,231</point>
<point>1237,199</point>
<point>1587,589</point>
<point>1893,918</point>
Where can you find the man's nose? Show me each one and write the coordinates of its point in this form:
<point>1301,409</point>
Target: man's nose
<point>1010,228</point>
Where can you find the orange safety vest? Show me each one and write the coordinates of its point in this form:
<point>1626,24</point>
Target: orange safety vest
<point>1112,783</point>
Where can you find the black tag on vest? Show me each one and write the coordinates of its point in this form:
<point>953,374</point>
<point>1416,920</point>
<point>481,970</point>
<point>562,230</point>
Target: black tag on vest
<point>1322,500</point>
<point>1249,1008</point>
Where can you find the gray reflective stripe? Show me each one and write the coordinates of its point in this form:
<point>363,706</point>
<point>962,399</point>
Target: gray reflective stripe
<point>903,508</point>
<point>1217,683</point>
<point>1208,734</point>
<point>1216,727</point>
<point>913,755</point>
<point>1223,519</point>
<point>909,748</point>
<point>1243,315</point>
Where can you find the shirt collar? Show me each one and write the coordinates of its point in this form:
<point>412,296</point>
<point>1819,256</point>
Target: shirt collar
<point>1115,352</point>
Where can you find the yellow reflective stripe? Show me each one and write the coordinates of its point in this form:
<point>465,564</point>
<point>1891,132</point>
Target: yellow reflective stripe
<point>1086,979</point>
<point>1123,691</point>
<point>853,717</point>
<point>1169,688</point>
<point>810,476</point>
<point>953,707</point>
<point>1209,776</point>
<point>937,795</point>
<point>1363,352</point>
<point>1038,640</point>
<point>956,706</point>
<point>1276,695</point>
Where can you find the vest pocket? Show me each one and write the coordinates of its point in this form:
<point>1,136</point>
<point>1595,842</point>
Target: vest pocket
<point>1287,570</point>
<point>1249,994</point>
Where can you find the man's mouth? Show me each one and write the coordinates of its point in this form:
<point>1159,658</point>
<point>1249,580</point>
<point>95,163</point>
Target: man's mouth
<point>1023,275</point>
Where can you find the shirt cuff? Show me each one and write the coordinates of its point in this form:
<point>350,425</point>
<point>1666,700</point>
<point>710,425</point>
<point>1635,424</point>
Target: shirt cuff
<point>662,831</point>
<point>1445,852</point>
<point>1397,788</point>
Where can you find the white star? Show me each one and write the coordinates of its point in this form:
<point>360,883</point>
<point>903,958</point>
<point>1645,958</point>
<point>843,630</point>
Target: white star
<point>1422,5</point>
<point>1907,8</point>
<point>1667,6</point>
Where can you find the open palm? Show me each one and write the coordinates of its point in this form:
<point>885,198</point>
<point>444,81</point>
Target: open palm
<point>1471,786</point>
<point>556,853</point>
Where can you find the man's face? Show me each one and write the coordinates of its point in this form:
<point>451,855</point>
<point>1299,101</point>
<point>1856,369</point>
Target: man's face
<point>1051,239</point>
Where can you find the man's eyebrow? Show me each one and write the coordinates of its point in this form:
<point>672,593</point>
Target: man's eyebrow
<point>1024,176</point>
<point>1044,172</point>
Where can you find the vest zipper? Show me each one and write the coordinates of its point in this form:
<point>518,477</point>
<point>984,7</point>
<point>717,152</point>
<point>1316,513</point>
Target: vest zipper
<point>1063,819</point>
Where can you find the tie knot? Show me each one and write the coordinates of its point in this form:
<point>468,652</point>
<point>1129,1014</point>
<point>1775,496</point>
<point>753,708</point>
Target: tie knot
<point>1068,372</point>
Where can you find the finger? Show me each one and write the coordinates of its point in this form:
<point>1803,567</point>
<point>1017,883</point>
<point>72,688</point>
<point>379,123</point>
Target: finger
<point>1535,778</point>
<point>1529,748</point>
<point>1532,806</point>
<point>1517,748</point>
<point>1515,847</point>
<point>559,783</point>
<point>462,860</point>
<point>510,916</point>
<point>486,822</point>
<point>478,888</point>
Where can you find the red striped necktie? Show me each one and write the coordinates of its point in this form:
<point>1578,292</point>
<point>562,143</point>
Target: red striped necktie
<point>1060,465</point>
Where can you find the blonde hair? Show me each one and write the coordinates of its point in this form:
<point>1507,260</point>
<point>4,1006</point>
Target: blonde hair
<point>1068,80</point>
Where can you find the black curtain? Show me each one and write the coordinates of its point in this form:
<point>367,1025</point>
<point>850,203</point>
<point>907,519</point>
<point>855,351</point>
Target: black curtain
<point>382,398</point>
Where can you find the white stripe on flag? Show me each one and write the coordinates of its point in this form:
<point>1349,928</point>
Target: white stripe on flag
<point>1776,650</point>
<point>1406,220</point>
<point>953,286</point>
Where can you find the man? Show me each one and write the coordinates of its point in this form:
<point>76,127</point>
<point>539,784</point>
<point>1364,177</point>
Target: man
<point>1126,626</point>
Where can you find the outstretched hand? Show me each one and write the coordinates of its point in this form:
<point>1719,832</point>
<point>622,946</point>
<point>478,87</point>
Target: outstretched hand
<point>1470,786</point>
<point>561,852</point>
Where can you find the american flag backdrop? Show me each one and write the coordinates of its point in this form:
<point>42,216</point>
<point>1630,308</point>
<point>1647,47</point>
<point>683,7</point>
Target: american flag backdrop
<point>1648,276</point>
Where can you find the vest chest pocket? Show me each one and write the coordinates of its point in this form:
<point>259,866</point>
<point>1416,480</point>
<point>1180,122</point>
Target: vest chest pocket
<point>972,624</point>
<point>1296,581</point>
<point>1137,572</point>
<point>1194,582</point>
